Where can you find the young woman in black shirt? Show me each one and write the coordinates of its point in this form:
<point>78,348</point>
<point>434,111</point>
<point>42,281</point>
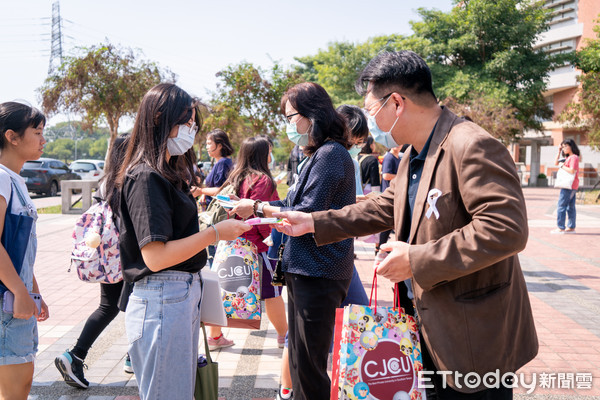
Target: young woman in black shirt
<point>162,250</point>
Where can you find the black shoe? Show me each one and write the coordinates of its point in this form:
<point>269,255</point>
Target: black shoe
<point>71,368</point>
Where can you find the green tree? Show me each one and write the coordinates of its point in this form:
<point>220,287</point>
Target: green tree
<point>62,149</point>
<point>246,102</point>
<point>584,111</point>
<point>488,47</point>
<point>102,85</point>
<point>479,48</point>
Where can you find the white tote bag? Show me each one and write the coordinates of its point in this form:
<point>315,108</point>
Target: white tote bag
<point>211,306</point>
<point>564,179</point>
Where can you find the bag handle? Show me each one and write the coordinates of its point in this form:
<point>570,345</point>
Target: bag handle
<point>374,289</point>
<point>208,357</point>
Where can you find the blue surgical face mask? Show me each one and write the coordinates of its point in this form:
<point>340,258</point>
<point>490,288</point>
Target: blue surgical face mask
<point>384,138</point>
<point>183,141</point>
<point>272,163</point>
<point>294,136</point>
<point>354,150</point>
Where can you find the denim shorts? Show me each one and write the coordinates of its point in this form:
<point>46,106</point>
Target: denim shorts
<point>163,325</point>
<point>18,339</point>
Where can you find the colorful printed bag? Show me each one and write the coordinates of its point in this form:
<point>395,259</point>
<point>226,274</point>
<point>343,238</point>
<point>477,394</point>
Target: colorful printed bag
<point>380,354</point>
<point>96,246</point>
<point>238,265</point>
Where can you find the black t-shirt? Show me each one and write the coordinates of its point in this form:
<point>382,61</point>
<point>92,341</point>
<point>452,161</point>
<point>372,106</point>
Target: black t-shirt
<point>153,209</point>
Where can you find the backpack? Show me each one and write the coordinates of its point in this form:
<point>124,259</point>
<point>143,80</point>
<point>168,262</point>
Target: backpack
<point>215,212</point>
<point>96,246</point>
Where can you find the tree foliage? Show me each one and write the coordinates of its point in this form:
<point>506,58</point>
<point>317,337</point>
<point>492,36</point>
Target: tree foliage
<point>584,111</point>
<point>247,101</point>
<point>480,52</point>
<point>104,84</point>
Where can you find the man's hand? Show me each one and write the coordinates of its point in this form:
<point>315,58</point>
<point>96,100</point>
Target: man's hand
<point>295,223</point>
<point>396,266</point>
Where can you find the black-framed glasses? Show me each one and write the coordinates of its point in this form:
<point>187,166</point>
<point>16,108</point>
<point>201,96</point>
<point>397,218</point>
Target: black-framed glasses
<point>289,117</point>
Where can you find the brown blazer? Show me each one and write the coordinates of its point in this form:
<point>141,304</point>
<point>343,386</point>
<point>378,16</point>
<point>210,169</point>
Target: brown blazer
<point>470,293</point>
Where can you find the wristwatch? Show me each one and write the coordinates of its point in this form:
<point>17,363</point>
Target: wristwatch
<point>259,210</point>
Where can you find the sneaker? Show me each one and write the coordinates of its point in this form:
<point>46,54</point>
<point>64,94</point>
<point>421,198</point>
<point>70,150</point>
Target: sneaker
<point>281,341</point>
<point>557,231</point>
<point>71,368</point>
<point>570,230</point>
<point>219,343</point>
<point>284,394</point>
<point>127,365</point>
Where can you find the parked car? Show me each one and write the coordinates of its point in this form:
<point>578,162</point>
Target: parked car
<point>44,175</point>
<point>88,169</point>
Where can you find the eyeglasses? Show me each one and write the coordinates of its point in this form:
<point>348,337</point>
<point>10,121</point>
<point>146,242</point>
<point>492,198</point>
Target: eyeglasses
<point>367,108</point>
<point>289,117</point>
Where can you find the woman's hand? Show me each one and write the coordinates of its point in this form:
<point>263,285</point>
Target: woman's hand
<point>44,313</point>
<point>231,229</point>
<point>24,307</point>
<point>196,191</point>
<point>244,208</point>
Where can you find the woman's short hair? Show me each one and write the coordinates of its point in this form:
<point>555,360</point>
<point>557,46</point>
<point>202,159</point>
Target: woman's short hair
<point>313,102</point>
<point>18,117</point>
<point>219,136</point>
<point>355,120</point>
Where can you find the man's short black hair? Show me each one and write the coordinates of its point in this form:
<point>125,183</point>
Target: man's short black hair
<point>403,71</point>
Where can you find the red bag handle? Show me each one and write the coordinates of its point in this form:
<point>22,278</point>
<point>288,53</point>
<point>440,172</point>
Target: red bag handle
<point>374,289</point>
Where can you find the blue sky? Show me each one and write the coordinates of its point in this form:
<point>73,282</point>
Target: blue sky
<point>194,39</point>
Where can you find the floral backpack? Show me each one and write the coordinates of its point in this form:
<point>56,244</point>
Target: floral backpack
<point>96,246</point>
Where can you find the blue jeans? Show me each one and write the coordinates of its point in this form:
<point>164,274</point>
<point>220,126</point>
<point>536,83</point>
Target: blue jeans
<point>566,205</point>
<point>163,326</point>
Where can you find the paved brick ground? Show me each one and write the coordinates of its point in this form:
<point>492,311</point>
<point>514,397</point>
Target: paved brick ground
<point>562,273</point>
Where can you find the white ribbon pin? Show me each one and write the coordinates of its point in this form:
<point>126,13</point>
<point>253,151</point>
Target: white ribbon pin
<point>432,197</point>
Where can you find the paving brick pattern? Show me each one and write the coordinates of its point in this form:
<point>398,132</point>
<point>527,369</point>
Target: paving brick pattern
<point>562,273</point>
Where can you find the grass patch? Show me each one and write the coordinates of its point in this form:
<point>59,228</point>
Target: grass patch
<point>590,196</point>
<point>282,190</point>
<point>56,209</point>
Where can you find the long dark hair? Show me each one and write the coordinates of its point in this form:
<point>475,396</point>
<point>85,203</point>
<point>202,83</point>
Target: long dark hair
<point>18,117</point>
<point>572,145</point>
<point>162,108</point>
<point>114,160</point>
<point>313,102</point>
<point>219,136</point>
<point>252,160</point>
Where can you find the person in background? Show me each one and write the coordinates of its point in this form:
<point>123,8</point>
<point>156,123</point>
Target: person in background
<point>220,149</point>
<point>369,167</point>
<point>316,285</point>
<point>161,248</point>
<point>296,158</point>
<point>359,132</point>
<point>567,159</point>
<point>21,139</point>
<point>71,363</point>
<point>389,168</point>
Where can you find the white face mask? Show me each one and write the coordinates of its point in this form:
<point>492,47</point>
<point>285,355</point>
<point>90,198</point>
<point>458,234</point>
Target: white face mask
<point>183,141</point>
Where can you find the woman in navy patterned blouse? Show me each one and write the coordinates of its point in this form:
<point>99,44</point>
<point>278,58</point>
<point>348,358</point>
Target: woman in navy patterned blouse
<point>317,277</point>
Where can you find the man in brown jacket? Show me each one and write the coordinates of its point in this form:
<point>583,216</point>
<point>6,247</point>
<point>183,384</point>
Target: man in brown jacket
<point>459,214</point>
